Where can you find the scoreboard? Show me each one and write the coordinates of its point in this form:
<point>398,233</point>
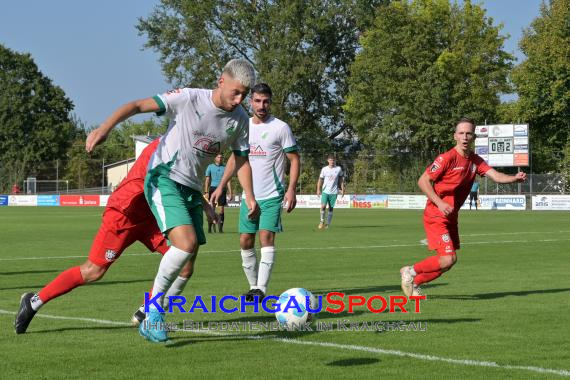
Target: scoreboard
<point>503,144</point>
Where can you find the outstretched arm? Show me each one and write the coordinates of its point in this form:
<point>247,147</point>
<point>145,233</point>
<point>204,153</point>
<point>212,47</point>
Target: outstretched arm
<point>122,113</point>
<point>505,178</point>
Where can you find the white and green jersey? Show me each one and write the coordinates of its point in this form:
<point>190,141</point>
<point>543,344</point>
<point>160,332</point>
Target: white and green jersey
<point>197,132</point>
<point>268,143</point>
<point>331,178</point>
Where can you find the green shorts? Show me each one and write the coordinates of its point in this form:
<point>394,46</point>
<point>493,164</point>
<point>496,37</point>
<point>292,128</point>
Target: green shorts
<point>173,204</point>
<point>329,199</point>
<point>269,219</point>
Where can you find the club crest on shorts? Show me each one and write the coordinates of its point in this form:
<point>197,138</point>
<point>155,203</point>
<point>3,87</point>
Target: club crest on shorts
<point>110,255</point>
<point>445,238</point>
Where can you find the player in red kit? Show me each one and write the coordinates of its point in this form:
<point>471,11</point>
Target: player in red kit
<point>447,183</point>
<point>127,218</point>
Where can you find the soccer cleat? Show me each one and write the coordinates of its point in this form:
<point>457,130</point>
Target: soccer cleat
<point>417,290</point>
<point>250,296</point>
<point>321,225</point>
<point>407,281</point>
<point>25,313</point>
<point>152,328</point>
<point>138,316</point>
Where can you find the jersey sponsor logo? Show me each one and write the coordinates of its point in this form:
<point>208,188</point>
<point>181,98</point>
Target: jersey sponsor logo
<point>231,126</point>
<point>257,151</point>
<point>206,147</point>
<point>434,167</point>
<point>458,168</point>
<point>173,92</point>
<point>110,255</point>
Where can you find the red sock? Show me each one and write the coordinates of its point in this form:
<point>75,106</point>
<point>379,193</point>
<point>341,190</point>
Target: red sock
<point>426,277</point>
<point>431,264</point>
<point>64,283</point>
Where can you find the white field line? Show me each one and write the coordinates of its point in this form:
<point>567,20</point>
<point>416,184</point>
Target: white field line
<point>422,242</point>
<point>346,347</point>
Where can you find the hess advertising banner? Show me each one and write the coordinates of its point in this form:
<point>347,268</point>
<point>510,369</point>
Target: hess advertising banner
<point>369,201</point>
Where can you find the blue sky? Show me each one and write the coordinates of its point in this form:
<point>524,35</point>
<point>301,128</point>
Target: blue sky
<point>92,50</point>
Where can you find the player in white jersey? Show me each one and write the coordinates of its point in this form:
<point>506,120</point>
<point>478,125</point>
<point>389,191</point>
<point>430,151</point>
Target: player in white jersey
<point>270,142</point>
<point>202,124</point>
<point>330,180</point>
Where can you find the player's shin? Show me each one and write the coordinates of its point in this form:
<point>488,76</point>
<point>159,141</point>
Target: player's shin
<point>249,264</point>
<point>265,267</point>
<point>170,266</point>
<point>65,282</point>
<point>175,289</point>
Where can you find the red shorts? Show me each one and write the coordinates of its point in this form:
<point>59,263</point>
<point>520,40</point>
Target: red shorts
<point>117,233</point>
<point>442,235</point>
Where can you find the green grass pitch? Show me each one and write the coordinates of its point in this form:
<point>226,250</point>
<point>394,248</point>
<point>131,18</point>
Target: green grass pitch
<point>502,312</point>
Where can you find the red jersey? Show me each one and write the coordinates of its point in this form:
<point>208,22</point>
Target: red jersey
<point>453,176</point>
<point>128,198</point>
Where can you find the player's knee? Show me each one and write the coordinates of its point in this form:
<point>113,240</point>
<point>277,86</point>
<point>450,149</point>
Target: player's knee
<point>92,272</point>
<point>187,245</point>
<point>447,261</point>
<point>330,209</point>
<point>246,241</point>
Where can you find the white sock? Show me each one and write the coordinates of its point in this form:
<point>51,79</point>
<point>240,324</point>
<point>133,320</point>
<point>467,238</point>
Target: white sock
<point>322,216</point>
<point>170,265</point>
<point>265,267</point>
<point>249,265</point>
<point>36,302</point>
<point>329,217</point>
<point>175,289</point>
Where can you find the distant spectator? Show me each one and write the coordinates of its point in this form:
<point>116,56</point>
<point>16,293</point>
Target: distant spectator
<point>16,189</point>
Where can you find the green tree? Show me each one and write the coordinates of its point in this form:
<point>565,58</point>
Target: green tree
<point>423,65</point>
<point>303,49</point>
<point>543,84</point>
<point>35,124</point>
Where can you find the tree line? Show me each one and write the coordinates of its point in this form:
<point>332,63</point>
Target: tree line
<point>381,82</point>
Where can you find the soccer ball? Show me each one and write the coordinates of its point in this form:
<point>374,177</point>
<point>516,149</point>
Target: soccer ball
<point>289,315</point>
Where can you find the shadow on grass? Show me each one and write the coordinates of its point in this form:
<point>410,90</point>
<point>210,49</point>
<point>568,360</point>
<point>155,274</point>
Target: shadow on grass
<point>99,283</point>
<point>369,289</point>
<point>352,362</point>
<point>58,330</point>
<point>28,272</point>
<point>490,296</point>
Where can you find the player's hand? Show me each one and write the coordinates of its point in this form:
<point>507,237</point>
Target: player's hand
<point>445,208</point>
<point>253,208</point>
<point>290,200</point>
<point>211,214</point>
<point>96,137</point>
<point>206,196</point>
<point>216,196</point>
<point>520,176</point>
<point>318,193</point>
